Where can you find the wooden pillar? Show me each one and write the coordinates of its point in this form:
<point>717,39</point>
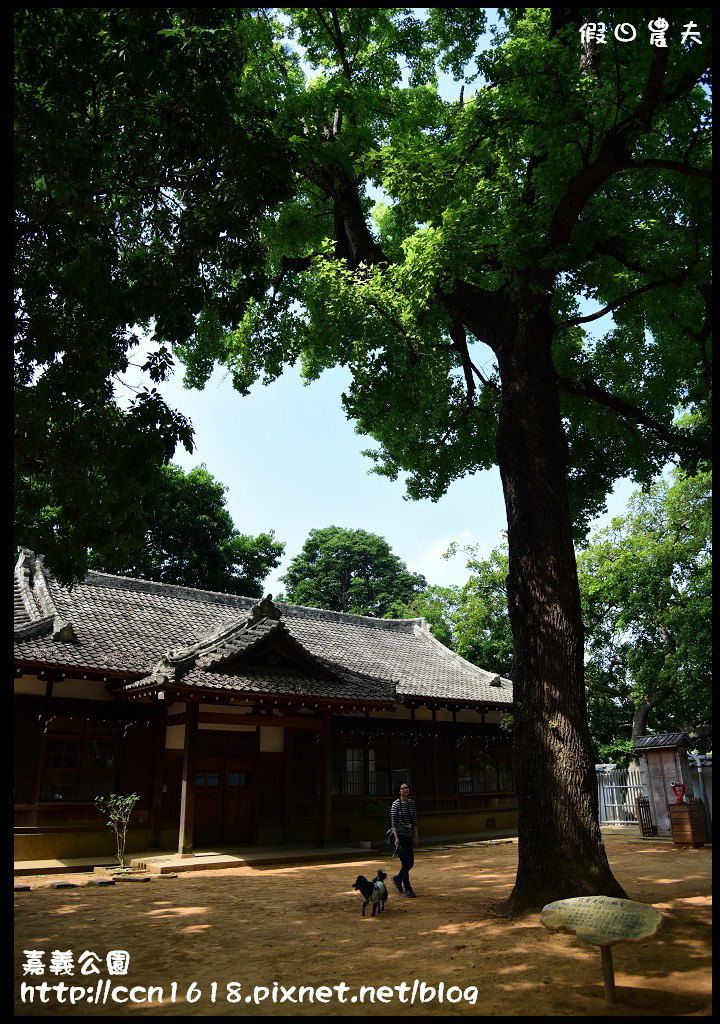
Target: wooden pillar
<point>436,769</point>
<point>456,773</point>
<point>157,779</point>
<point>288,755</point>
<point>39,768</point>
<point>326,780</point>
<point>187,792</point>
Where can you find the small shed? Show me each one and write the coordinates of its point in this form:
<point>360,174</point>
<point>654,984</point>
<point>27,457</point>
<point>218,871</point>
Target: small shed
<point>663,761</point>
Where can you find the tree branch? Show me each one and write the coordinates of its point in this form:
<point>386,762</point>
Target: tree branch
<point>588,389</point>
<point>611,247</point>
<point>652,700</point>
<point>488,315</point>
<point>391,320</point>
<point>295,265</point>
<point>697,732</point>
<point>336,39</point>
<point>347,70</point>
<point>613,154</point>
<point>608,690</point>
<point>488,383</point>
<point>703,335</point>
<point>626,298</point>
<point>318,176</point>
<point>669,165</point>
<point>454,424</point>
<point>459,340</point>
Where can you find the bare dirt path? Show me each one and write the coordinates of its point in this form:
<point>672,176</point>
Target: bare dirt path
<point>301,926</point>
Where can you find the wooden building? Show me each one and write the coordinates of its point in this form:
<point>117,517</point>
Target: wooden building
<point>239,721</point>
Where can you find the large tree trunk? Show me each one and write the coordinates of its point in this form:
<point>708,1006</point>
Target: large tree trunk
<point>561,853</point>
<point>642,711</point>
<point>639,722</point>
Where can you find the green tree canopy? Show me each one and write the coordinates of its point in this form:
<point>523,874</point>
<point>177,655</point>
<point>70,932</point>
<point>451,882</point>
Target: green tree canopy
<point>437,605</point>
<point>191,541</point>
<point>481,624</point>
<point>351,571</point>
<point>575,170</point>
<point>472,619</point>
<point>136,210</point>
<point>646,586</point>
<point>645,583</point>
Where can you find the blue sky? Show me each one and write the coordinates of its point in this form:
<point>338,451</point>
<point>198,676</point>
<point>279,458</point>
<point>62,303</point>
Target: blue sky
<point>291,462</point>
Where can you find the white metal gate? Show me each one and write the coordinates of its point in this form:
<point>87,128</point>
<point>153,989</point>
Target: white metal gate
<point>617,792</point>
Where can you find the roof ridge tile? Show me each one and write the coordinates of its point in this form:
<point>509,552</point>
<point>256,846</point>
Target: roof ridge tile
<point>24,570</point>
<point>29,572</point>
<point>94,576</point>
<point>330,615</point>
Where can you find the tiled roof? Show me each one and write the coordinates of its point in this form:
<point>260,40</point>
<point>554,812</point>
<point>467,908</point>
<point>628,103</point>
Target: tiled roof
<point>282,684</point>
<point>41,613</point>
<point>661,741</point>
<point>233,659</point>
<point>20,612</point>
<point>125,626</point>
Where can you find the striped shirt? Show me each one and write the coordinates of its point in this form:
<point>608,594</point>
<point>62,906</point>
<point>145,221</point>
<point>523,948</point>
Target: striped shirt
<point>403,817</point>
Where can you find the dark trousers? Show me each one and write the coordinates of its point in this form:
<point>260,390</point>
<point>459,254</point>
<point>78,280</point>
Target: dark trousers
<point>407,859</point>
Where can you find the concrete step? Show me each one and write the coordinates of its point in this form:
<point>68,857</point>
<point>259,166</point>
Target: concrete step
<point>163,862</point>
<point>62,867</point>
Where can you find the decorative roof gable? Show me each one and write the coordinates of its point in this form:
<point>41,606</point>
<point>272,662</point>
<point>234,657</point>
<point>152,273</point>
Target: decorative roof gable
<point>259,654</point>
<point>265,644</point>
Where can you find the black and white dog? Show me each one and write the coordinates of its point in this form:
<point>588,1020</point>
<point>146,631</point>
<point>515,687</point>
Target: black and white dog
<point>375,891</point>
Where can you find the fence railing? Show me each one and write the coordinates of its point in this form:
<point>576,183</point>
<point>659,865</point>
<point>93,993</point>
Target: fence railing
<point>380,783</point>
<point>486,780</point>
<point>618,791</point>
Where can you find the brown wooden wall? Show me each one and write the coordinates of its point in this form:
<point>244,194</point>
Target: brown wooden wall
<point>28,736</point>
<point>286,786</point>
<point>135,737</point>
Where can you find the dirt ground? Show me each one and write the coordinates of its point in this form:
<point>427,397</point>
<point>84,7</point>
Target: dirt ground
<point>276,928</point>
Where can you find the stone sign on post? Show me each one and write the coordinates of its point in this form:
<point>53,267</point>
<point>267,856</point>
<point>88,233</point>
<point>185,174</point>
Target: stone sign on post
<point>604,921</point>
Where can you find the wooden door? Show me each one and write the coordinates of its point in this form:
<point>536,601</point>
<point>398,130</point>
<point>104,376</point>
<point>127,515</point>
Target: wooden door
<point>209,774</point>
<point>238,800</point>
<point>662,771</point>
<point>224,800</point>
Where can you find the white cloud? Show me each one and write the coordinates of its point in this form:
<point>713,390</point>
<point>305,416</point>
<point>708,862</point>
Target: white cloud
<point>445,571</point>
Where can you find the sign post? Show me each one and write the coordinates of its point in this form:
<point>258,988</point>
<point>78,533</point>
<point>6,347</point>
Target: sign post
<point>603,921</point>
